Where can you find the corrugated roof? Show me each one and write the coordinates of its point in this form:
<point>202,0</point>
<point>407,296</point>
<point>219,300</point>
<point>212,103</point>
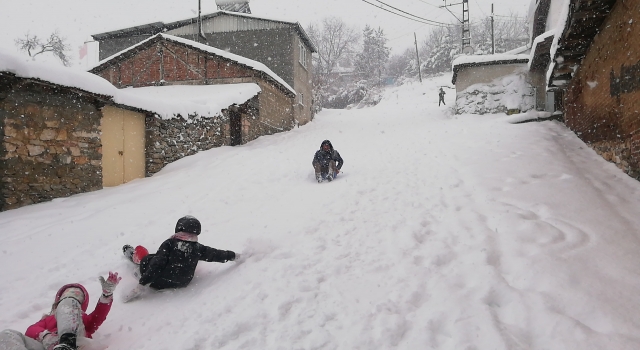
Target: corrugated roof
<point>159,27</point>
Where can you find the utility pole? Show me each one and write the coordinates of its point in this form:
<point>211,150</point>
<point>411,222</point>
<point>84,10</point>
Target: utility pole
<point>417,56</point>
<point>493,42</point>
<point>466,25</point>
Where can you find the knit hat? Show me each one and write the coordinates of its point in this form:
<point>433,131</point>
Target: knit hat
<point>188,224</point>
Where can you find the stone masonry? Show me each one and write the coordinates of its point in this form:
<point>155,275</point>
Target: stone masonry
<point>50,144</point>
<point>168,140</point>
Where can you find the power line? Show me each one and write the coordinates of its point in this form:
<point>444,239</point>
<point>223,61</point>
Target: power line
<point>437,24</point>
<point>410,14</point>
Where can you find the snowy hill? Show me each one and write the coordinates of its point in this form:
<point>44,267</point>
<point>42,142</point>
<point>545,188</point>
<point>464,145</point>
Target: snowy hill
<point>443,232</point>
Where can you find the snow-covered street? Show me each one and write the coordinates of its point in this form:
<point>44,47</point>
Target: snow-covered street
<point>442,232</point>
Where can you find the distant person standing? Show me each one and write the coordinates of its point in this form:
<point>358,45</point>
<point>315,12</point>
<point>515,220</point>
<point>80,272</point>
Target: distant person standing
<point>441,95</point>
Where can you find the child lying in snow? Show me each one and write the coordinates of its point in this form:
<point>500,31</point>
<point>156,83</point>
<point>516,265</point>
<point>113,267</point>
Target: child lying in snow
<point>67,324</point>
<point>174,264</point>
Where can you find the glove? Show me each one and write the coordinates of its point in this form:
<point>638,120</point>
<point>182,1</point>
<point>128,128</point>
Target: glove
<point>134,293</point>
<point>110,284</point>
<point>48,339</point>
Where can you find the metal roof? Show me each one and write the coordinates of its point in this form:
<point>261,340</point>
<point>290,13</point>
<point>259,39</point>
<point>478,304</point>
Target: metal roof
<point>159,27</point>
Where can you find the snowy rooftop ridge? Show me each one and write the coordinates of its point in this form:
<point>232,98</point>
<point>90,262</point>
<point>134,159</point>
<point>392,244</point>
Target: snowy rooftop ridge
<point>187,100</point>
<point>255,65</point>
<point>500,58</point>
<point>166,101</point>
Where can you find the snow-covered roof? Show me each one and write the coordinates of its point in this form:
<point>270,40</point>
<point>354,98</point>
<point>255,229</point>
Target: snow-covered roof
<point>165,101</point>
<point>156,27</point>
<point>485,60</point>
<point>64,76</point>
<point>255,65</point>
<point>488,59</point>
<point>204,100</point>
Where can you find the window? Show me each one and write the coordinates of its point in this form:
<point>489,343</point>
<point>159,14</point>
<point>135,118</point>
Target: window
<point>303,54</point>
<point>301,99</point>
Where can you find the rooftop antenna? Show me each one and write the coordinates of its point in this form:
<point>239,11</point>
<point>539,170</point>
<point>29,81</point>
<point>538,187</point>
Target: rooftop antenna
<point>241,6</point>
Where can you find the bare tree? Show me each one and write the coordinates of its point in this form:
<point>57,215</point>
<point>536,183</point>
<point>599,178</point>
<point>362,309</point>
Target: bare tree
<point>334,39</point>
<point>35,46</point>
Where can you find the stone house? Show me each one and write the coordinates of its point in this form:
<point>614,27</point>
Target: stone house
<point>283,46</point>
<point>64,132</point>
<point>50,138</point>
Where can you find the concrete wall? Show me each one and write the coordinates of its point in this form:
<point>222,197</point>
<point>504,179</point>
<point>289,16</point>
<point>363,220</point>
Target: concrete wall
<point>272,47</point>
<point>602,101</point>
<point>50,147</point>
<point>302,83</point>
<point>468,76</point>
<point>110,47</point>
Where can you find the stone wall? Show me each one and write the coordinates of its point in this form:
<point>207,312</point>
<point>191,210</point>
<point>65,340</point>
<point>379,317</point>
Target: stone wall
<point>51,145</point>
<point>617,152</point>
<point>168,140</point>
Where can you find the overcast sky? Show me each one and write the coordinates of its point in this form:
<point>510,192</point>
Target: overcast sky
<point>78,19</point>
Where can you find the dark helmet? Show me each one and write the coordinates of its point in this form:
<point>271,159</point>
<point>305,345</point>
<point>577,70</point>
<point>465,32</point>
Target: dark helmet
<point>188,224</point>
<point>326,142</point>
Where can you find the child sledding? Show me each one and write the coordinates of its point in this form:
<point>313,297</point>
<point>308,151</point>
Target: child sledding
<point>174,264</point>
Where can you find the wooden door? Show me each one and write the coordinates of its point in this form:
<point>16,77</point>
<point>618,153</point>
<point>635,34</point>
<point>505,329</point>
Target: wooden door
<point>123,140</point>
<point>134,140</point>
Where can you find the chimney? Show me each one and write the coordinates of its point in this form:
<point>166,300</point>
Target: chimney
<point>241,6</point>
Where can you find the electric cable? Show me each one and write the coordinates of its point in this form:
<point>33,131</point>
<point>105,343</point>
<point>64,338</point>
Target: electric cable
<point>437,24</point>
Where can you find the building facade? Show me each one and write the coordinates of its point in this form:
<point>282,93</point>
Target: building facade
<point>602,98</point>
<point>282,46</point>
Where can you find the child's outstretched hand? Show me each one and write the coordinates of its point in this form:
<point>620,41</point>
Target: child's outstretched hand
<point>109,285</point>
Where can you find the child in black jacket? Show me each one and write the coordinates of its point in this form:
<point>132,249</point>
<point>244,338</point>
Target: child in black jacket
<point>174,264</point>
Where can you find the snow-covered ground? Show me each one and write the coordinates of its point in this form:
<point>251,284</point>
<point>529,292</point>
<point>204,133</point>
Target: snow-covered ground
<point>443,232</point>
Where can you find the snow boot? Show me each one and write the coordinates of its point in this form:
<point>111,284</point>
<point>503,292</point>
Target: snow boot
<point>127,250</point>
<point>330,177</point>
<point>67,342</point>
<point>319,177</point>
<point>136,254</point>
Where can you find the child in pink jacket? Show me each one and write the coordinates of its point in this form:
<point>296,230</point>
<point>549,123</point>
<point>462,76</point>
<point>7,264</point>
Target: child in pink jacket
<point>67,321</point>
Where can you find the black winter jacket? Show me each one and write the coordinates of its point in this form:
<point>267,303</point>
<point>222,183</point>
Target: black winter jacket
<point>175,262</point>
<point>324,157</point>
